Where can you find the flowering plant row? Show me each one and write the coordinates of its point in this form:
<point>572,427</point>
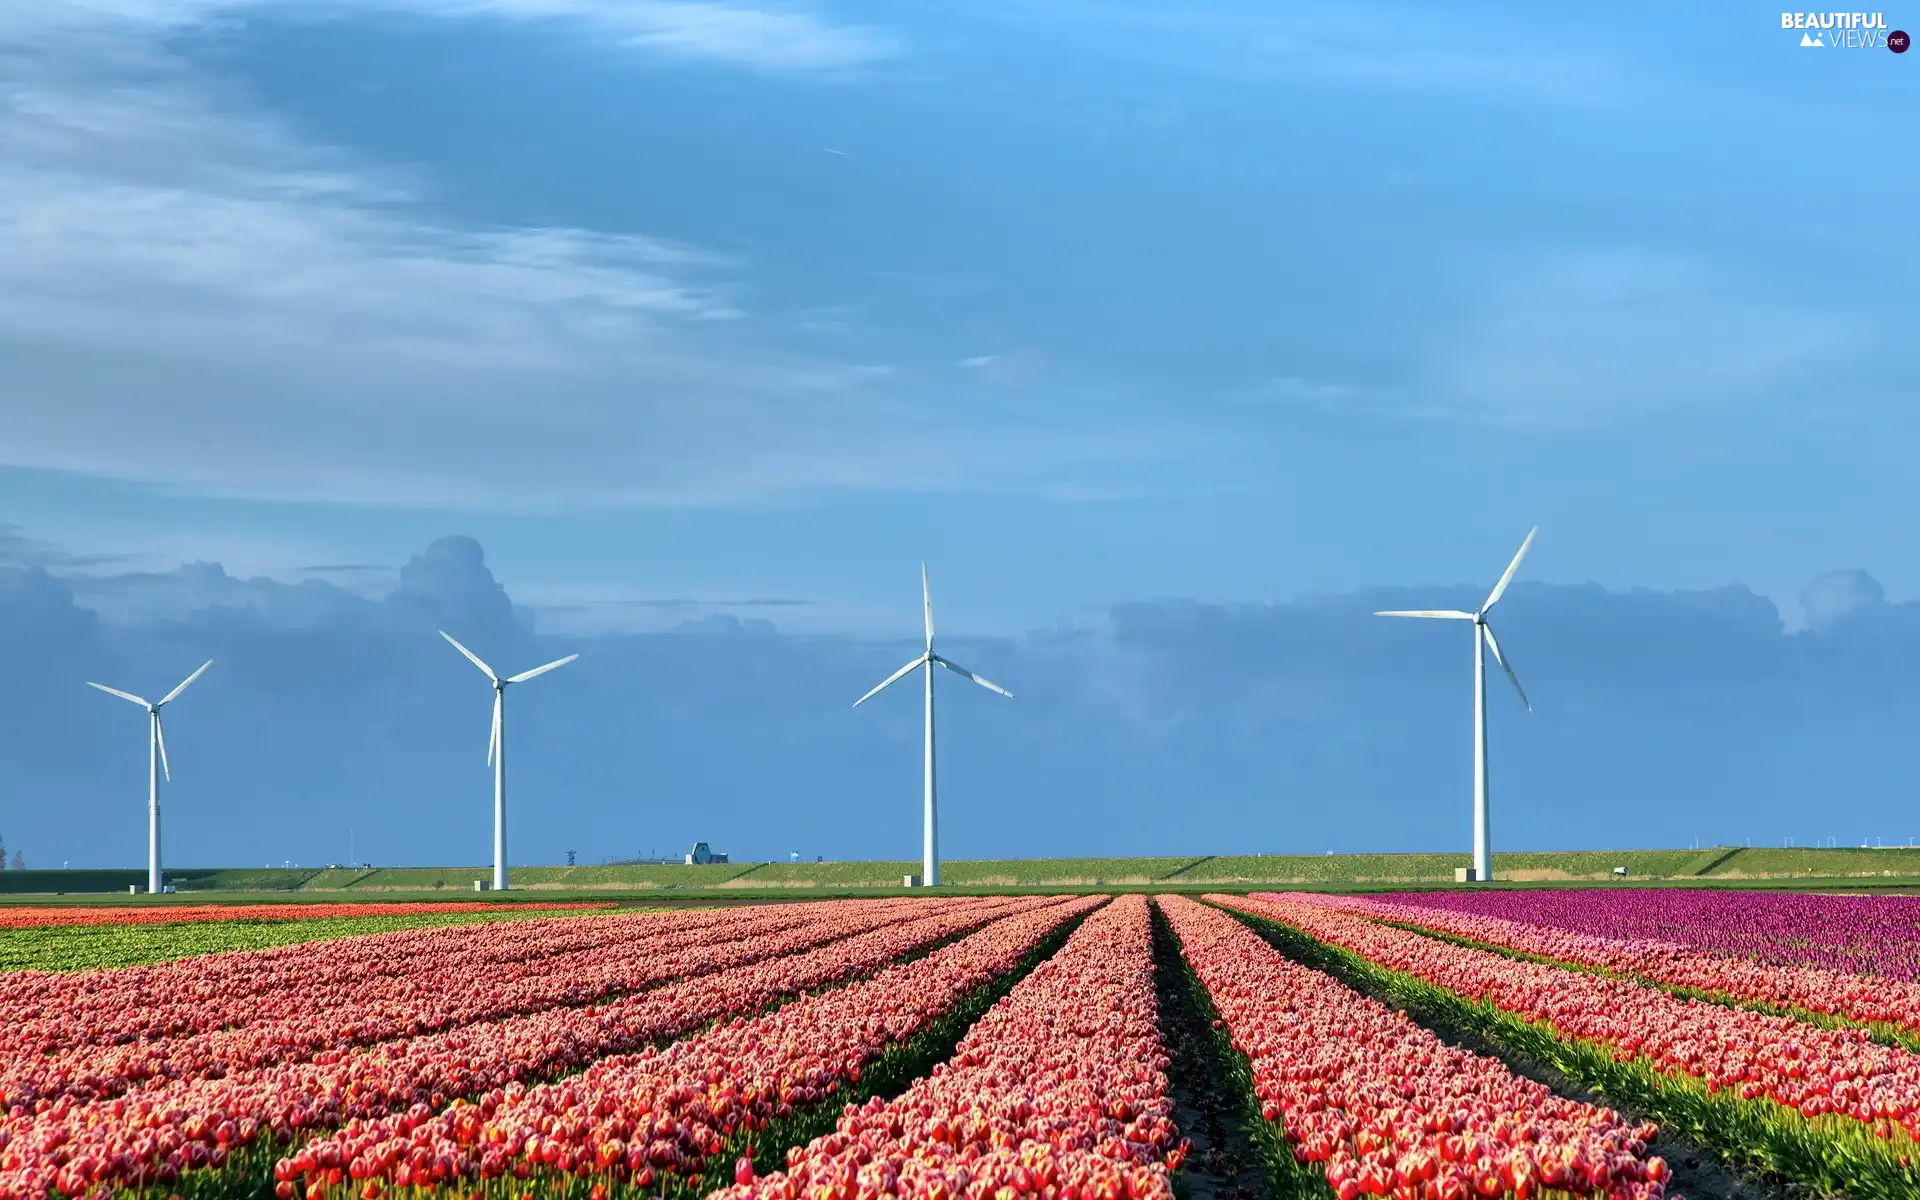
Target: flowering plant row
<point>635,1118</point>
<point>1387,1107</point>
<point>1060,1091</point>
<point>155,1134</point>
<point>1874,934</point>
<point>407,1006</point>
<point>53,1012</point>
<point>1855,997</point>
<point>1816,1071</point>
<point>69,948</point>
<point>27,918</point>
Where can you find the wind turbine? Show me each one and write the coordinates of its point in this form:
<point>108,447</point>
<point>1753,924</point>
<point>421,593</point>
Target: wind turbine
<point>156,765</point>
<point>497,751</point>
<point>929,833</point>
<point>1483,640</point>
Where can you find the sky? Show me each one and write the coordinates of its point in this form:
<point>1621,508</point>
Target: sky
<point>732,311</point>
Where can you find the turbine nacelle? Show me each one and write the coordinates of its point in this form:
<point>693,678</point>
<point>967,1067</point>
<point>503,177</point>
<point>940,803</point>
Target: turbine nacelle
<point>157,729</point>
<point>1483,631</point>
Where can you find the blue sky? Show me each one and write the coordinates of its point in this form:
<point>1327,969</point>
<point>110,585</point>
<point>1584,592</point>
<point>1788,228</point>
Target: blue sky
<point>689,310</point>
<point>1093,302</point>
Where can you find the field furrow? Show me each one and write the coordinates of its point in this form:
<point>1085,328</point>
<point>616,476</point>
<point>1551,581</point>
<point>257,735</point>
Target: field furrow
<point>1828,1108</point>
<point>1383,1105</point>
<point>1059,1091</point>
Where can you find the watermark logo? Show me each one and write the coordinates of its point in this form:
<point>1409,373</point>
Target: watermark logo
<point>1846,31</point>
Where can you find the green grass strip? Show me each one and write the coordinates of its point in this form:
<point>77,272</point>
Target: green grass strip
<point>1830,1154</point>
<point>1187,1008</point>
<point>86,947</point>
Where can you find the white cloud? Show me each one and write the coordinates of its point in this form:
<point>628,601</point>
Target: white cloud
<point>777,35</point>
<point>190,296</point>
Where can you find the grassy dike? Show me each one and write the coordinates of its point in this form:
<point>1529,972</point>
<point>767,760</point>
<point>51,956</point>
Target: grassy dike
<point>248,1174</point>
<point>1831,1155</point>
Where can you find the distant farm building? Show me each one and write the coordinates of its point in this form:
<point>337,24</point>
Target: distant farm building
<point>702,854</point>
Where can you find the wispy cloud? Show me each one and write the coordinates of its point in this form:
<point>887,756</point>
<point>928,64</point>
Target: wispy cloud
<point>1588,336</point>
<point>1593,337</point>
<point>1419,50</point>
<point>767,38</point>
<point>775,35</point>
<point>193,297</point>
<point>21,549</point>
<point>1377,46</point>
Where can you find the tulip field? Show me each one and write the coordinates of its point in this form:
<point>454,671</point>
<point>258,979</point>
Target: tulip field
<point>938,1047</point>
<point>181,914</point>
<point>69,939</point>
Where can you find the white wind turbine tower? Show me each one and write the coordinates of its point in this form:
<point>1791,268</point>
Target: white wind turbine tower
<point>156,765</point>
<point>929,834</point>
<point>1483,640</point>
<point>497,751</point>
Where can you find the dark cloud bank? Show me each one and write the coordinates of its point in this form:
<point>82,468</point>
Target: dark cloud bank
<point>1174,727</point>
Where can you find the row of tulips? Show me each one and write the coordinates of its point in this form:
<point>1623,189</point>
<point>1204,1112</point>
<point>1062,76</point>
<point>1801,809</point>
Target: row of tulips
<point>427,1003</point>
<point>71,948</point>
<point>27,918</point>
<point>1060,1091</point>
<point>1879,935</point>
<point>52,1012</point>
<point>155,1134</point>
<point>1844,994</point>
<point>1383,1105</point>
<point>1751,1055</point>
<point>636,1118</point>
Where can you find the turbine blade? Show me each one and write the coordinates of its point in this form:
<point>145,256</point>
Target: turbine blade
<point>117,692</point>
<point>1444,614</point>
<point>1493,644</point>
<point>168,699</point>
<point>1500,589</point>
<point>493,735</point>
<point>523,676</point>
<point>926,599</point>
<point>890,680</point>
<point>160,736</point>
<point>957,669</point>
<point>475,658</point>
